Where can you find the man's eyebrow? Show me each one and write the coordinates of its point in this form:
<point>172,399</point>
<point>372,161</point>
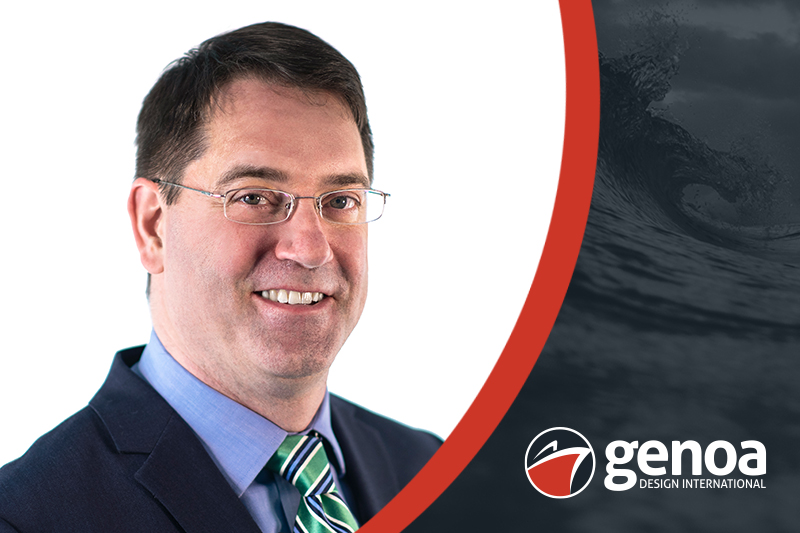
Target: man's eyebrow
<point>275,175</point>
<point>250,171</point>
<point>349,180</point>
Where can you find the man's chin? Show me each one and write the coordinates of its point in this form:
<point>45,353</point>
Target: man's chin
<point>298,363</point>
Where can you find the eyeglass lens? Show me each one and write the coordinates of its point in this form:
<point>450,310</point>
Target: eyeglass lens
<point>265,206</point>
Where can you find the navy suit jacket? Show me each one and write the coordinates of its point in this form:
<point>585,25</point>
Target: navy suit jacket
<point>129,463</point>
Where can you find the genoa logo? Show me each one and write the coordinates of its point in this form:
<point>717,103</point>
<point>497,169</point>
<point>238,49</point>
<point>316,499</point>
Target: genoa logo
<point>559,462</point>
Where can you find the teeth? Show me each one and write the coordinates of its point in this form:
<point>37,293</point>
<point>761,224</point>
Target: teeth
<point>292,297</point>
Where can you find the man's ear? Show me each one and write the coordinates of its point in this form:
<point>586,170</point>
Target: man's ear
<point>145,210</point>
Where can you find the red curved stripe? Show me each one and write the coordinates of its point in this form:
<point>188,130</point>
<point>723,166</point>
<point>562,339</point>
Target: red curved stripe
<point>549,284</point>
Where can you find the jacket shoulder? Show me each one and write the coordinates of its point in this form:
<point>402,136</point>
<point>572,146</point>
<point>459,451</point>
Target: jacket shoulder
<point>80,476</point>
<point>54,454</point>
<point>381,455</point>
<point>65,472</point>
<point>392,432</point>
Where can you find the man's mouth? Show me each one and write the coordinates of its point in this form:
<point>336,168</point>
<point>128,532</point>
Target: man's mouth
<point>292,297</point>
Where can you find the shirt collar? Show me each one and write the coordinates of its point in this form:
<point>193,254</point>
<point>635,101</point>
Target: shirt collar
<point>240,441</point>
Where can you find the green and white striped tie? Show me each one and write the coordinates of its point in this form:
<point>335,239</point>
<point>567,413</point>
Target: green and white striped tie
<point>302,461</point>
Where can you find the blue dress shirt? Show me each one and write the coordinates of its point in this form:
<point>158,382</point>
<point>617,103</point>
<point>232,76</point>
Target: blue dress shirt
<point>240,441</point>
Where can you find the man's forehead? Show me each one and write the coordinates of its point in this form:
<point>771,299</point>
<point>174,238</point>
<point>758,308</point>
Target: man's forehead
<point>251,89</point>
<point>265,134</point>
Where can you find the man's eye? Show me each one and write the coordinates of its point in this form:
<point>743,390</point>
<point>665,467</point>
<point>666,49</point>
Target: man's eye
<point>259,198</point>
<point>252,199</point>
<point>342,202</point>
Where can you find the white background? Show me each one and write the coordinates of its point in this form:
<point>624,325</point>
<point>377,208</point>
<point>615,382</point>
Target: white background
<point>467,111</point>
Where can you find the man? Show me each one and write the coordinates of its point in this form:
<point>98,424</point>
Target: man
<point>250,214</point>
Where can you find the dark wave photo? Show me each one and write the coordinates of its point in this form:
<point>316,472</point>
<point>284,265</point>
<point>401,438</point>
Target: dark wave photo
<point>681,320</point>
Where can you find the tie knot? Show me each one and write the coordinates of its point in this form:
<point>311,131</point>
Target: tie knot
<point>302,461</point>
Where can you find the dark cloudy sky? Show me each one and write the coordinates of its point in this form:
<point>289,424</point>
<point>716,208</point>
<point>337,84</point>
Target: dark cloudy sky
<point>739,69</point>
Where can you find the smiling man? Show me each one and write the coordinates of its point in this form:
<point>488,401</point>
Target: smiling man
<point>250,213</point>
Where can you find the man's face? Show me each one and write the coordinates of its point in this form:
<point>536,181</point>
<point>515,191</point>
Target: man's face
<point>208,303</point>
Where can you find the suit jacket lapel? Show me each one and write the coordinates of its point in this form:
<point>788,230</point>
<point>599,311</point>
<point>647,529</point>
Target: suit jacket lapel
<point>178,471</point>
<point>182,476</point>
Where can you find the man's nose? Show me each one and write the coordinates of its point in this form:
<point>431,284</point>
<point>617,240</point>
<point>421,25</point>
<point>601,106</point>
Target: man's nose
<point>302,238</point>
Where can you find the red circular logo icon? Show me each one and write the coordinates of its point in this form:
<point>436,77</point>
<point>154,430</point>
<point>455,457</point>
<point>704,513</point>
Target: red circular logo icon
<point>559,462</point>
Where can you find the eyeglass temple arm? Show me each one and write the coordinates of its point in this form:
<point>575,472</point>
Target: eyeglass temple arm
<point>207,193</point>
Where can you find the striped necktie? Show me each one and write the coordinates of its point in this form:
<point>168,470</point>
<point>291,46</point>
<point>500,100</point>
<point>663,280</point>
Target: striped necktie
<point>302,461</point>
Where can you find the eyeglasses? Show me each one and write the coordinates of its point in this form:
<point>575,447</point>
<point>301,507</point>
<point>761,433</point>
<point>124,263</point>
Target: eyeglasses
<point>259,207</point>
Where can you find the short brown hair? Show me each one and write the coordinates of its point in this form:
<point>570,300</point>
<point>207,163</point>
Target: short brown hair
<point>170,125</point>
